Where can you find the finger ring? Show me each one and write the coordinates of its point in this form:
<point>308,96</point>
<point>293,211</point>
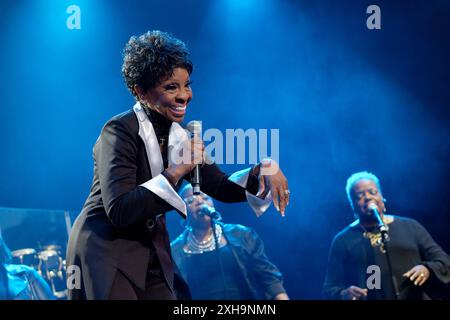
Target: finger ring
<point>287,192</point>
<point>421,275</point>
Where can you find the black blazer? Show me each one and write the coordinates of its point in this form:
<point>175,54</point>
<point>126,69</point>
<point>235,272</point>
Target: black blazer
<point>111,232</point>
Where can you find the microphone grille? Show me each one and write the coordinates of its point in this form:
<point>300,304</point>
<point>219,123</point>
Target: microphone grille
<point>194,127</point>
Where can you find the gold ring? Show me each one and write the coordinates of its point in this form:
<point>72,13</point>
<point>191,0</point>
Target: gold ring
<point>422,274</point>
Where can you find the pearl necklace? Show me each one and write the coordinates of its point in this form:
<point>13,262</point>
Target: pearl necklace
<point>195,246</point>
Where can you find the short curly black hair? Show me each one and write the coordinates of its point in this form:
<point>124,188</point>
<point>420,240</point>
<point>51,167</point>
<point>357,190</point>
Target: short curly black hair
<point>150,58</point>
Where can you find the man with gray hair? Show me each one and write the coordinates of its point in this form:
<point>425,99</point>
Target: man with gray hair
<point>381,256</point>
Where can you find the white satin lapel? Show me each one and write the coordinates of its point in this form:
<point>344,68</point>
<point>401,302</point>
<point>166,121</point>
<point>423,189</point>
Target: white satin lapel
<point>177,136</point>
<point>147,133</point>
<point>158,184</point>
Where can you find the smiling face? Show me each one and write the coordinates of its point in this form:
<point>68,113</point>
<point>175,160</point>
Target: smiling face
<point>171,96</point>
<point>365,192</point>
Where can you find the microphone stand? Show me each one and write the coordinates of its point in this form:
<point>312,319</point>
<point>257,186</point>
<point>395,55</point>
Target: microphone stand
<point>384,243</point>
<point>219,257</point>
<point>384,240</point>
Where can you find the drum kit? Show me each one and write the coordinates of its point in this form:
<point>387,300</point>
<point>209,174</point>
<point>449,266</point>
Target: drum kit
<point>49,263</point>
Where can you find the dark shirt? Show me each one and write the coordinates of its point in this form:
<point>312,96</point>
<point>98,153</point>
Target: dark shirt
<point>206,280</point>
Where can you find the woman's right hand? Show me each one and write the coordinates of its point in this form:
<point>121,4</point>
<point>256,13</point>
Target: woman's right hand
<point>185,159</point>
<point>353,293</point>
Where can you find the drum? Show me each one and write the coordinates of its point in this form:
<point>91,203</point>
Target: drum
<point>52,268</point>
<point>26,256</point>
<point>50,264</point>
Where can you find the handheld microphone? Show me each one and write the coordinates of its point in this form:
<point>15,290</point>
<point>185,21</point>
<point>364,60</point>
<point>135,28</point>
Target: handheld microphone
<point>381,226</point>
<point>195,128</point>
<point>210,212</point>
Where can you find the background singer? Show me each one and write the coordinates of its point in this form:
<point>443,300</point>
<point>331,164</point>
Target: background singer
<point>238,270</point>
<point>420,268</point>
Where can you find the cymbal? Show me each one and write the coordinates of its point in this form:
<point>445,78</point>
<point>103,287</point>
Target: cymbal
<point>23,252</point>
<point>53,247</point>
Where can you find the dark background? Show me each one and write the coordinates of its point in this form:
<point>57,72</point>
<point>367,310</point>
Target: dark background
<point>345,99</point>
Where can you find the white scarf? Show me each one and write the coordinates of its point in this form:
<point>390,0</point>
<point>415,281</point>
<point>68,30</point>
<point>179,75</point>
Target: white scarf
<point>159,184</point>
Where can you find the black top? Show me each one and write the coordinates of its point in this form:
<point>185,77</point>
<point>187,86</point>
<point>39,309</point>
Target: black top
<point>410,244</point>
<point>206,280</point>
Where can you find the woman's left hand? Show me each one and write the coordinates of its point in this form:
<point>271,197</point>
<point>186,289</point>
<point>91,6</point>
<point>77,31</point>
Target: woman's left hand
<point>418,274</point>
<point>272,178</point>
